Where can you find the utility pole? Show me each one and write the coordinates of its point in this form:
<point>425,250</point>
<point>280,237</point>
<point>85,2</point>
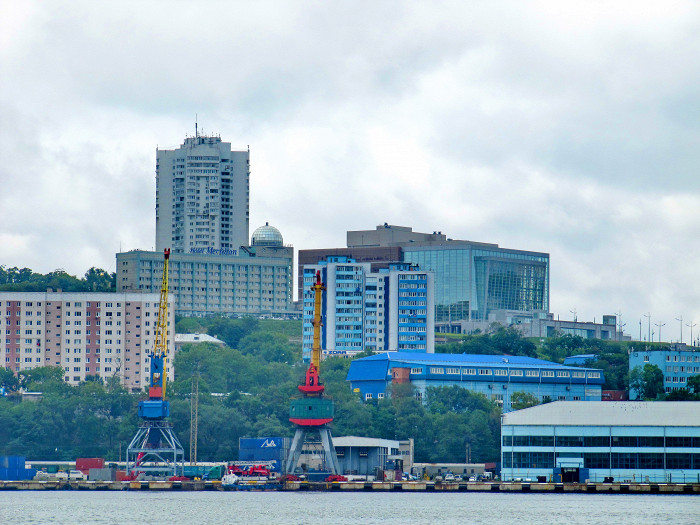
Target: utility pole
<point>194,418</point>
<point>574,312</point>
<point>619,322</point>
<point>659,325</point>
<point>648,316</point>
<point>640,329</point>
<point>691,325</point>
<point>681,321</point>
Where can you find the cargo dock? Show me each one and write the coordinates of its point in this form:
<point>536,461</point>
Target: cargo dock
<point>361,486</point>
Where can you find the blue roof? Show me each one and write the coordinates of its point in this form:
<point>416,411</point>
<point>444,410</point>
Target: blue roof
<point>376,367</point>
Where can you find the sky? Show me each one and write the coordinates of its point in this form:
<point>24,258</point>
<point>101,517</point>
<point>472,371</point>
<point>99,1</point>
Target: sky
<point>565,127</point>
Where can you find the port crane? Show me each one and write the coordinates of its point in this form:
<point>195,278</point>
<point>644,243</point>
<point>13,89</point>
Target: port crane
<point>313,412</point>
<point>155,448</point>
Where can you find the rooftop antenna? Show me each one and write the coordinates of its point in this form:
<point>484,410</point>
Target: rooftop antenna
<point>196,133</point>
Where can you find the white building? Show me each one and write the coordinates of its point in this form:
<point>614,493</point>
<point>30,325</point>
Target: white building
<point>86,333</point>
<point>392,309</point>
<point>202,197</point>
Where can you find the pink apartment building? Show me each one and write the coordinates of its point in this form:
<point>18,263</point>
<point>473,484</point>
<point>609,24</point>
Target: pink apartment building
<point>86,333</point>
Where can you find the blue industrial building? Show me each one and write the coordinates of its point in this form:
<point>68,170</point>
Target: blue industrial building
<point>495,376</point>
<point>617,440</point>
<point>678,363</point>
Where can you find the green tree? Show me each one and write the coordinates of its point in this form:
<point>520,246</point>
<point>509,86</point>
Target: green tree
<point>8,380</point>
<point>520,400</point>
<point>646,382</point>
<point>693,384</point>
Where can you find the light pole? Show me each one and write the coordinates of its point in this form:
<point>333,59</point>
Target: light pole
<point>648,316</point>
<point>681,321</point>
<point>573,312</point>
<point>640,329</point>
<point>659,325</point>
<point>691,325</point>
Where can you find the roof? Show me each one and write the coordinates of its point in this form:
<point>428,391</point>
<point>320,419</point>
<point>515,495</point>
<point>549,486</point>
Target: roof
<point>196,338</point>
<point>609,413</point>
<point>460,359</point>
<point>355,441</point>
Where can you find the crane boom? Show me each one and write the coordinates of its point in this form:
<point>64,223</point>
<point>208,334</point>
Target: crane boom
<point>159,355</point>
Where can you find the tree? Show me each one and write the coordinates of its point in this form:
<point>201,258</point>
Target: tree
<point>8,380</point>
<point>647,382</point>
<point>520,400</point>
<point>41,375</point>
<point>693,384</point>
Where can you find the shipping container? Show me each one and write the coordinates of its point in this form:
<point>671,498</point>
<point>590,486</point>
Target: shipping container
<point>121,475</point>
<point>85,464</point>
<point>102,474</point>
<point>268,442</point>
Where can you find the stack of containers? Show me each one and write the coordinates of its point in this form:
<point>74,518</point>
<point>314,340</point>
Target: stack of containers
<point>270,449</point>
<point>12,468</point>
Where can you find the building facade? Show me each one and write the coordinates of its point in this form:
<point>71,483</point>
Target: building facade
<point>254,280</point>
<point>202,197</point>
<point>538,324</point>
<point>617,440</point>
<point>678,362</point>
<point>472,279</point>
<point>497,377</point>
<point>361,309</point>
<point>100,334</point>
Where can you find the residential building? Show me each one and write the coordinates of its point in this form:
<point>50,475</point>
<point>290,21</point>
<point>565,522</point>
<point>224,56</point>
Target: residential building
<point>253,280</point>
<point>391,309</point>
<point>615,441</point>
<point>86,333</point>
<point>677,361</point>
<point>472,279</point>
<point>202,197</point>
<point>498,377</point>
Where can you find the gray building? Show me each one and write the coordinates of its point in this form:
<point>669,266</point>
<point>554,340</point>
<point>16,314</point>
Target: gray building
<point>202,197</point>
<point>571,441</point>
<point>254,280</point>
<point>472,279</point>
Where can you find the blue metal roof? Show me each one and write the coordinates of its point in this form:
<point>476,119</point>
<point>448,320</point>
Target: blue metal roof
<point>368,369</point>
<point>376,367</point>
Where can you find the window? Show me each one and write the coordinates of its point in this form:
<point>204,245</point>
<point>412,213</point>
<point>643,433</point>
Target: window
<point>452,370</point>
<point>416,370</point>
<point>500,372</point>
<point>437,370</point>
<point>562,373</point>
<point>380,395</point>
<point>470,371</point>
<point>484,371</point>
<point>368,396</point>
<point>547,373</point>
<point>532,373</point>
<point>516,373</point>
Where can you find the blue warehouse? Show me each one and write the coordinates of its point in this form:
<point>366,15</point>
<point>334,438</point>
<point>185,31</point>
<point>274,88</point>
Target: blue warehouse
<point>621,441</point>
<point>495,376</point>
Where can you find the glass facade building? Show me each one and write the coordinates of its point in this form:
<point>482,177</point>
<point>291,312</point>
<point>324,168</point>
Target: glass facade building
<point>471,280</point>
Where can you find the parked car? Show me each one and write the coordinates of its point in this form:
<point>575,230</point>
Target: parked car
<point>449,476</point>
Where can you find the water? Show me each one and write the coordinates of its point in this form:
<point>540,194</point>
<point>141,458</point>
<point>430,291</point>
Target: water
<point>66,507</point>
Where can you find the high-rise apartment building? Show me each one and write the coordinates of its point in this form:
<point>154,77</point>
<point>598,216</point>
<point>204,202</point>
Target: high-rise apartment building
<point>391,309</point>
<point>85,333</point>
<point>202,196</point>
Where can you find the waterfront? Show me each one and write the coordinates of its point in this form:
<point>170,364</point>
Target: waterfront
<point>70,507</point>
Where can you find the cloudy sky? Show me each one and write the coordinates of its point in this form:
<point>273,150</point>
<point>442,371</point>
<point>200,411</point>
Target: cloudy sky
<point>565,127</point>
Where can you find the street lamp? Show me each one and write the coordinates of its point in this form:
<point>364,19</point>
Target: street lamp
<point>648,316</point>
<point>659,325</point>
<point>681,321</point>
<point>691,325</point>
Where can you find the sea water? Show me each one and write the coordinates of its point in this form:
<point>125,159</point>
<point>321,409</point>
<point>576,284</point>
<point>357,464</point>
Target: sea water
<point>74,507</point>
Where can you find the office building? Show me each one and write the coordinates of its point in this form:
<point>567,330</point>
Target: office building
<point>538,324</point>
<point>252,280</point>
<point>202,197</point>
<point>100,334</point>
<point>498,377</point>
<point>472,279</point>
<point>614,441</point>
<point>678,362</point>
<point>391,309</point>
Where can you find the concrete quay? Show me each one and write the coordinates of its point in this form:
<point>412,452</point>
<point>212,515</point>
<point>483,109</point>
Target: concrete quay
<point>363,486</point>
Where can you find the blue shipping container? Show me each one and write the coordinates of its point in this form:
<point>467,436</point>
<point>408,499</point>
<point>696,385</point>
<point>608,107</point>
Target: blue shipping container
<point>270,442</point>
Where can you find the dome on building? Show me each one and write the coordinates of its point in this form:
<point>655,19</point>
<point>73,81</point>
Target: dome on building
<point>266,236</point>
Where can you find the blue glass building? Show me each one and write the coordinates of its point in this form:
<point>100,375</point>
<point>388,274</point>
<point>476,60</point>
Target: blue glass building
<point>495,376</point>
<point>618,440</point>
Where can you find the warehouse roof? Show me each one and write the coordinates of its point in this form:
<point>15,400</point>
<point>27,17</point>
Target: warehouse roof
<point>609,413</point>
<point>376,367</point>
<point>355,441</point>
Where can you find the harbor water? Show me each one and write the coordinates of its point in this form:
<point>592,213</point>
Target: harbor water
<point>71,507</point>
